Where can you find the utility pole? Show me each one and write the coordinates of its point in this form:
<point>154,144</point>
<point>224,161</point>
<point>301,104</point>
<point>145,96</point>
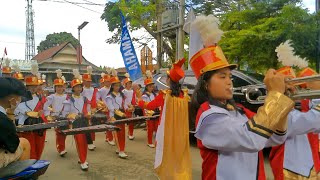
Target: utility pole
<point>180,30</point>
<point>159,34</point>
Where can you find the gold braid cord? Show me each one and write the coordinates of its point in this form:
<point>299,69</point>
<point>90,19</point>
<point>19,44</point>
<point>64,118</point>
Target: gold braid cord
<point>272,116</point>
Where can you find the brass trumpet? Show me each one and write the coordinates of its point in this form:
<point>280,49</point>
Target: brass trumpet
<point>254,95</point>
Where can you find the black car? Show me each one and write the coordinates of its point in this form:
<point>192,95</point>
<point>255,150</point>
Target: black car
<point>240,79</point>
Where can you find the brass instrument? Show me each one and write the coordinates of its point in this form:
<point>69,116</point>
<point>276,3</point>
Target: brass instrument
<point>254,95</point>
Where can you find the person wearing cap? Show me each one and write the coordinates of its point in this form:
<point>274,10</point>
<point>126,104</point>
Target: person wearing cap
<point>17,73</point>
<point>76,108</point>
<point>53,108</point>
<point>31,112</point>
<point>12,148</point>
<point>172,159</point>
<point>6,69</point>
<point>298,157</point>
<point>91,94</point>
<point>149,95</point>
<point>115,103</point>
<point>229,142</point>
<point>130,102</point>
<point>101,97</point>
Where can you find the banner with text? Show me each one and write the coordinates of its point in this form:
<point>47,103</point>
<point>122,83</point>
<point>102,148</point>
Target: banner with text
<point>128,53</point>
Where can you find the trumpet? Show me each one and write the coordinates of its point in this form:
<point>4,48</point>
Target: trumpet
<point>256,94</point>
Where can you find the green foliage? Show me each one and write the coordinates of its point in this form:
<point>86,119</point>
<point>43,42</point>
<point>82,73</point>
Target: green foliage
<point>56,39</point>
<point>252,34</point>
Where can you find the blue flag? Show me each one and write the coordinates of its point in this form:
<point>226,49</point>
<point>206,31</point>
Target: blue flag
<point>128,53</point>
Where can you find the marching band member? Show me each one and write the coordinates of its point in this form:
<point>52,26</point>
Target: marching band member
<point>298,157</point>
<point>12,148</point>
<point>91,94</point>
<point>148,96</point>
<point>227,139</point>
<point>17,74</point>
<point>78,106</point>
<point>53,108</point>
<point>172,159</point>
<point>6,69</point>
<point>115,103</point>
<point>101,97</point>
<point>130,101</point>
<point>31,112</point>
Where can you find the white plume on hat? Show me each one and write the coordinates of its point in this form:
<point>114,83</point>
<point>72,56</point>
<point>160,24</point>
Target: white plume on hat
<point>89,69</point>
<point>103,74</point>
<point>148,74</point>
<point>208,27</point>
<point>16,68</point>
<point>108,70</point>
<point>114,73</point>
<point>39,75</point>
<point>286,56</point>
<point>43,77</point>
<point>59,73</point>
<point>7,62</point>
<point>34,69</point>
<point>63,78</point>
<point>127,75</point>
<point>76,74</point>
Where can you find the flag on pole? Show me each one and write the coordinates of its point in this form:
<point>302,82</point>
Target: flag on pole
<point>128,53</point>
<point>195,43</point>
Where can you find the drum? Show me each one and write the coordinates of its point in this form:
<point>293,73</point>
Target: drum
<point>32,121</point>
<point>98,118</point>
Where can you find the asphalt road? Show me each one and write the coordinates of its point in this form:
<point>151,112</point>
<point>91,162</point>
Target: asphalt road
<point>104,164</point>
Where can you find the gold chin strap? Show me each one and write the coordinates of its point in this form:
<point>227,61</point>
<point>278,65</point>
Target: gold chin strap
<point>272,116</point>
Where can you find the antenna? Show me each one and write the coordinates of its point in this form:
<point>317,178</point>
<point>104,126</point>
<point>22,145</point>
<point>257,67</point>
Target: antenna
<point>30,48</point>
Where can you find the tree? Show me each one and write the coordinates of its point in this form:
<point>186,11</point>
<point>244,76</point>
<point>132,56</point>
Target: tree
<point>56,39</point>
<point>216,7</point>
<point>252,34</point>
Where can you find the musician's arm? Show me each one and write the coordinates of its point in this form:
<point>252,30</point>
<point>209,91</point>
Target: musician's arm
<point>154,104</point>
<point>8,135</point>
<point>110,106</point>
<point>46,105</point>
<point>20,113</point>
<point>302,123</point>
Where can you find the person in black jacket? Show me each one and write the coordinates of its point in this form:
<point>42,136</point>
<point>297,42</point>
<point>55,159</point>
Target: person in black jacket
<point>12,148</point>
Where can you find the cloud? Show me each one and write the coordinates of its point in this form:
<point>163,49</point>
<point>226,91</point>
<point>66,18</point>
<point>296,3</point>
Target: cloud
<point>50,17</point>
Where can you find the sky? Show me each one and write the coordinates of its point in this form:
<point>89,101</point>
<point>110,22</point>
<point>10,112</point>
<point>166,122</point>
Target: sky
<point>50,17</point>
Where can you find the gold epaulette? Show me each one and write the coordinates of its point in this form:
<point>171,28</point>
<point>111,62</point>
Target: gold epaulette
<point>185,94</point>
<point>149,112</point>
<point>119,113</point>
<point>50,118</point>
<point>33,114</point>
<point>72,116</point>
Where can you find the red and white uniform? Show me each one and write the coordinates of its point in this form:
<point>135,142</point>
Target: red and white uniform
<point>227,143</point>
<point>56,102</point>
<point>91,95</point>
<point>299,154</point>
<point>152,125</point>
<point>35,139</point>
<point>78,105</point>
<point>116,102</point>
<point>102,96</point>
<point>130,99</point>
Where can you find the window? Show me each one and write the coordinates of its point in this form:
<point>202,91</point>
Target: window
<point>238,82</point>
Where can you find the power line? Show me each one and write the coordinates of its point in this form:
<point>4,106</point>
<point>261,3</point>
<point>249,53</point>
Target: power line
<point>83,3</point>
<point>82,7</point>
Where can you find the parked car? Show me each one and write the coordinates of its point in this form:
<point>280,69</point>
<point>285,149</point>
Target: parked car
<point>240,79</point>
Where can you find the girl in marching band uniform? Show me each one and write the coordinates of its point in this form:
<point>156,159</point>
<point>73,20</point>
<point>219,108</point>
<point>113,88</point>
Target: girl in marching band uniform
<point>54,107</point>
<point>101,97</point>
<point>229,142</point>
<point>148,96</point>
<point>91,94</point>
<point>78,106</point>
<point>115,103</point>
<point>31,112</point>
<point>130,101</point>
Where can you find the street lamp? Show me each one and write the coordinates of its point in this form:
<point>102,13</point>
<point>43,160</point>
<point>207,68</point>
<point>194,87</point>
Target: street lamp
<point>80,47</point>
